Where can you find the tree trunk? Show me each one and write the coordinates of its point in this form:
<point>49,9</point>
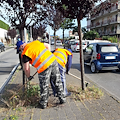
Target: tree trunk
<point>13,41</point>
<point>81,54</point>
<point>54,39</point>
<point>21,32</point>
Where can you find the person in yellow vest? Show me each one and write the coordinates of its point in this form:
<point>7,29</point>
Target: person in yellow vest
<point>64,59</point>
<point>38,54</point>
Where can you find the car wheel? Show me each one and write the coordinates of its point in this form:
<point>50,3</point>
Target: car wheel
<point>93,68</point>
<point>4,49</point>
<point>1,49</point>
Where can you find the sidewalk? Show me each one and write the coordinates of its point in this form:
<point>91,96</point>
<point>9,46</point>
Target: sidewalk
<point>106,108</point>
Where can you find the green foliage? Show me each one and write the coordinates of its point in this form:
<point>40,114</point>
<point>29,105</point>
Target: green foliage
<point>71,38</point>
<point>75,29</point>
<point>91,35</point>
<point>13,117</point>
<point>32,90</point>
<point>112,39</point>
<point>105,37</point>
<point>84,30</point>
<point>4,25</point>
<point>67,24</point>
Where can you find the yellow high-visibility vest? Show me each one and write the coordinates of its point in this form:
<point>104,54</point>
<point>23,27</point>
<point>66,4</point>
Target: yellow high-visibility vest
<point>61,55</point>
<point>41,58</point>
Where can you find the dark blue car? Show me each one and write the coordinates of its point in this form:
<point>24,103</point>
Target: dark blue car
<point>102,56</point>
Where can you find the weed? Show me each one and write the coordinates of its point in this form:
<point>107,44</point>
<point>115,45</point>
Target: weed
<point>89,93</point>
<point>13,117</point>
<point>31,95</point>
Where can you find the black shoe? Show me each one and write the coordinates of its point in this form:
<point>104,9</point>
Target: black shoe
<point>68,94</point>
<point>41,106</point>
<point>62,101</point>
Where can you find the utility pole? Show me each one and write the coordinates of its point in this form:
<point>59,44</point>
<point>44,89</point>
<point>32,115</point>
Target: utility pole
<point>23,70</point>
<point>25,35</point>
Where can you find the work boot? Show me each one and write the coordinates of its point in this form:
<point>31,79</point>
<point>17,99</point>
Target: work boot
<point>42,106</point>
<point>68,94</point>
<point>63,100</point>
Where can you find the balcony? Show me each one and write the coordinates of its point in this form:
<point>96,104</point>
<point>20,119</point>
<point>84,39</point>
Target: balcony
<point>104,23</point>
<point>114,20</point>
<point>114,8</point>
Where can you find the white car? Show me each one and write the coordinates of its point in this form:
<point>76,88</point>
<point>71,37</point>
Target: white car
<point>52,42</point>
<point>58,43</point>
<point>75,45</point>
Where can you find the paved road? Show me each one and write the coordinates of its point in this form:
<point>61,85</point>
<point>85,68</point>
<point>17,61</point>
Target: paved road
<point>8,60</point>
<point>109,80</point>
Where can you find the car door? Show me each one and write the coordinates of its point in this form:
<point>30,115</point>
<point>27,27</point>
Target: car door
<point>72,45</point>
<point>88,53</point>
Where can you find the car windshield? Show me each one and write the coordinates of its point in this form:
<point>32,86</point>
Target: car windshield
<point>109,49</point>
<point>58,41</point>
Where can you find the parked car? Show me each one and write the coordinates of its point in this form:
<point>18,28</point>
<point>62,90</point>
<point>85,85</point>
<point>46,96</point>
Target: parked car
<point>75,45</point>
<point>66,44</point>
<point>52,42</point>
<point>93,41</point>
<point>58,42</point>
<point>2,47</point>
<point>102,56</point>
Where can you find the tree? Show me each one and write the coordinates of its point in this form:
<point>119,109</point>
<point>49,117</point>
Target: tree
<point>75,9</point>
<point>23,13</point>
<point>56,19</point>
<point>38,30</point>
<point>75,29</point>
<point>12,33</point>
<point>91,35</point>
<point>67,24</point>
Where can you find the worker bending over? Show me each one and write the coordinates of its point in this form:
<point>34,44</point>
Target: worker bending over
<point>64,59</point>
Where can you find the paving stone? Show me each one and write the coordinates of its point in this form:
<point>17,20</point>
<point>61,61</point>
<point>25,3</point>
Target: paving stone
<point>97,115</point>
<point>36,114</point>
<point>105,108</point>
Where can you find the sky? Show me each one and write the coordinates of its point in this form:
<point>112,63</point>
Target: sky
<point>59,32</point>
<point>83,24</point>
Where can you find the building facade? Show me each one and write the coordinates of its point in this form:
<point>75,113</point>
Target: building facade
<point>105,19</point>
<point>75,35</point>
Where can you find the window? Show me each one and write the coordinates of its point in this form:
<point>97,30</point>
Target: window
<point>109,49</point>
<point>89,48</point>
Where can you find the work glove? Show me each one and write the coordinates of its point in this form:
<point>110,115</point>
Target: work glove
<point>30,78</point>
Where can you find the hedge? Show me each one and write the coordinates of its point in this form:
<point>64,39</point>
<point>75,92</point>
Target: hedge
<point>4,25</point>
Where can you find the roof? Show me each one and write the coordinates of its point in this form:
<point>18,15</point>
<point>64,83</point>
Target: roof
<point>104,43</point>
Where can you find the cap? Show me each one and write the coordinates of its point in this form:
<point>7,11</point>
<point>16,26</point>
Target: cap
<point>70,50</point>
<point>19,43</point>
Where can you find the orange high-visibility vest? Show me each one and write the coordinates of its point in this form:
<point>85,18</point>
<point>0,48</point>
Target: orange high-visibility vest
<point>41,58</point>
<point>61,55</point>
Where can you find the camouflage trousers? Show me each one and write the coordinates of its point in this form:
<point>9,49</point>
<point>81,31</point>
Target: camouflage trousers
<point>63,79</point>
<point>51,73</point>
